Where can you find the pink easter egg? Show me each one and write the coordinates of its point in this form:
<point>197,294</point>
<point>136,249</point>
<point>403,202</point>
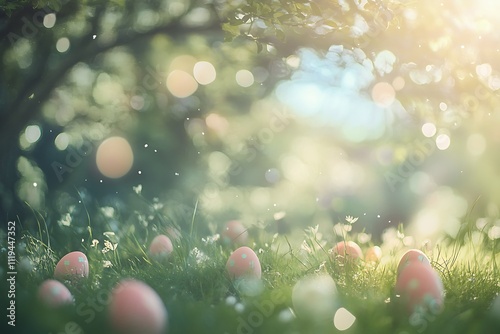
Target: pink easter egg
<point>412,255</point>
<point>234,232</point>
<point>135,308</point>
<point>54,294</point>
<point>347,250</point>
<point>72,266</point>
<point>243,263</point>
<point>161,247</point>
<point>420,288</point>
<point>373,254</point>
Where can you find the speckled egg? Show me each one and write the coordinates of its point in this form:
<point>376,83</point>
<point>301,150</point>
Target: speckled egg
<point>161,247</point>
<point>72,266</point>
<point>54,294</point>
<point>234,232</point>
<point>420,288</point>
<point>412,255</point>
<point>135,308</point>
<point>347,250</point>
<point>243,263</point>
<point>373,254</point>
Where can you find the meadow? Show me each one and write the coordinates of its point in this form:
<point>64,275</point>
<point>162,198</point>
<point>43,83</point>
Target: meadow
<point>201,298</point>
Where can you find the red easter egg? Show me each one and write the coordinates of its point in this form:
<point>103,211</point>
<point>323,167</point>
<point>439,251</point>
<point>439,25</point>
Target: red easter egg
<point>373,254</point>
<point>412,255</point>
<point>135,308</point>
<point>72,266</point>
<point>54,294</point>
<point>234,232</point>
<point>243,263</point>
<point>420,288</point>
<point>161,247</point>
<point>347,250</point>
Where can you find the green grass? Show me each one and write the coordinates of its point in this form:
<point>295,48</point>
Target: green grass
<point>195,289</point>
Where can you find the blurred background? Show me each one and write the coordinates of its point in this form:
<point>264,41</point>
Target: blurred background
<point>284,114</point>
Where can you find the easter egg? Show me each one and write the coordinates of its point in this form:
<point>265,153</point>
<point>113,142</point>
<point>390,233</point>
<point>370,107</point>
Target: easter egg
<point>135,308</point>
<point>72,266</point>
<point>412,255</point>
<point>420,288</point>
<point>373,254</point>
<point>347,250</point>
<point>54,294</point>
<point>315,297</point>
<point>243,263</point>
<point>234,232</point>
<point>161,247</point>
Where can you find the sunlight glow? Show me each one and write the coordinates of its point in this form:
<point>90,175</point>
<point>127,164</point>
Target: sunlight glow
<point>331,90</point>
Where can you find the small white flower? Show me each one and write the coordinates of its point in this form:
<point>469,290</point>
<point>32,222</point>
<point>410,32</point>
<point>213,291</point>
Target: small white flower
<point>108,211</point>
<point>351,219</point>
<point>138,189</point>
<point>66,220</point>
<point>110,246</point>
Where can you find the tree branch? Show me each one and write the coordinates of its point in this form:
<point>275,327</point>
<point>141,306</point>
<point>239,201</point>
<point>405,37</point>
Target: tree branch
<point>27,108</point>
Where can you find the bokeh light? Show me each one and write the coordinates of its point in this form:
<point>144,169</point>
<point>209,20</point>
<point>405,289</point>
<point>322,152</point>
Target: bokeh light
<point>429,129</point>
<point>398,83</point>
<point>62,44</point>
<point>343,319</point>
<point>383,94</point>
<point>476,144</point>
<point>443,141</point>
<point>61,141</point>
<point>181,84</point>
<point>204,72</point>
<point>49,20</point>
<point>244,78</point>
<point>114,157</point>
<point>32,133</point>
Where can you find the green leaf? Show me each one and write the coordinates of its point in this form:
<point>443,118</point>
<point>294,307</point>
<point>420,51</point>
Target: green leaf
<point>228,27</point>
<point>230,31</point>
